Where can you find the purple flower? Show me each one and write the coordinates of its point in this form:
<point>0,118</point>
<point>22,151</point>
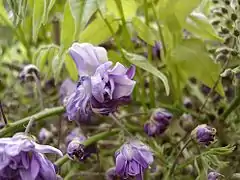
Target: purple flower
<point>101,88</point>
<point>77,149</point>
<point>204,134</point>
<point>214,175</point>
<point>44,134</point>
<point>158,123</point>
<point>157,50</point>
<point>22,158</point>
<point>132,159</point>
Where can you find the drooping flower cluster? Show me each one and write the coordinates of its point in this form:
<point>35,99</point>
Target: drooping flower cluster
<point>158,123</point>
<point>22,158</point>
<point>204,134</point>
<point>76,148</point>
<point>132,159</point>
<point>101,87</point>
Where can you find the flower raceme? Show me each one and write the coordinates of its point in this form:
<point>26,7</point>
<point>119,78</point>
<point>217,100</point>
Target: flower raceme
<point>102,87</point>
<point>23,159</point>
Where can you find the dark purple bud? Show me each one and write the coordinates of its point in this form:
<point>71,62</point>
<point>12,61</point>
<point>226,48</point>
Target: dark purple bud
<point>187,102</point>
<point>71,135</point>
<point>156,50</point>
<point>162,116</point>
<point>214,175</point>
<point>154,128</point>
<point>204,134</point>
<point>76,149</point>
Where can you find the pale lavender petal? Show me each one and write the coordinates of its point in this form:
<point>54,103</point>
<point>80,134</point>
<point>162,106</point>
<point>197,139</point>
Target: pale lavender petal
<point>47,149</point>
<point>87,57</point>
<point>118,69</point>
<point>25,160</point>
<point>123,86</point>
<point>98,88</point>
<point>12,149</point>
<point>4,160</point>
<point>120,164</point>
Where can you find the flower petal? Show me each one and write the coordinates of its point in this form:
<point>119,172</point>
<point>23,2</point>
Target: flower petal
<point>47,149</point>
<point>131,72</point>
<point>98,88</point>
<point>120,164</point>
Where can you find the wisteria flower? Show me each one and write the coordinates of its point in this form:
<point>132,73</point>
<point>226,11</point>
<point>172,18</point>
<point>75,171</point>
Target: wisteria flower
<point>23,159</point>
<point>101,87</point>
<point>132,159</point>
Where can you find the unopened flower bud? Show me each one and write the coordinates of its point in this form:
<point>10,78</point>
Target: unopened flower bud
<point>227,2</point>
<point>224,10</point>
<point>215,22</point>
<point>27,72</point>
<point>224,30</point>
<point>204,134</point>
<point>158,123</point>
<point>236,33</point>
<point>186,122</point>
<point>224,50</point>
<point>77,149</point>
<point>214,176</point>
<point>44,134</point>
<point>221,57</point>
<point>187,102</point>
<point>234,17</point>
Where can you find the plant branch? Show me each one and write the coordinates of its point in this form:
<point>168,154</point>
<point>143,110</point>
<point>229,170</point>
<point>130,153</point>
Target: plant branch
<point>37,117</point>
<point>3,114</point>
<point>89,141</point>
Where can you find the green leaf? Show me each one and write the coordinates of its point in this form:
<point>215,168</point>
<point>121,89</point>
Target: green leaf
<point>48,4</point>
<point>4,18</point>
<point>38,12</point>
<point>129,8</point>
<point>82,11</point>
<point>144,32</point>
<point>192,60</point>
<point>98,32</point>
<point>143,63</point>
<point>199,25</point>
<point>67,28</point>
<point>71,67</point>
<point>184,7</point>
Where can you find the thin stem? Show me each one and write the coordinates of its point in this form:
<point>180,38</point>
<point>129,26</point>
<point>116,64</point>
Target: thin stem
<point>163,55</point>
<point>180,152</point>
<point>38,86</point>
<point>121,125</point>
<point>235,103</point>
<point>151,83</point>
<point>89,141</point>
<point>18,125</point>
<point>3,115</point>
<point>30,123</point>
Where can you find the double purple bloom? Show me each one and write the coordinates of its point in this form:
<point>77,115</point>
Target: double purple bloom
<point>132,159</point>
<point>22,158</point>
<point>101,87</point>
